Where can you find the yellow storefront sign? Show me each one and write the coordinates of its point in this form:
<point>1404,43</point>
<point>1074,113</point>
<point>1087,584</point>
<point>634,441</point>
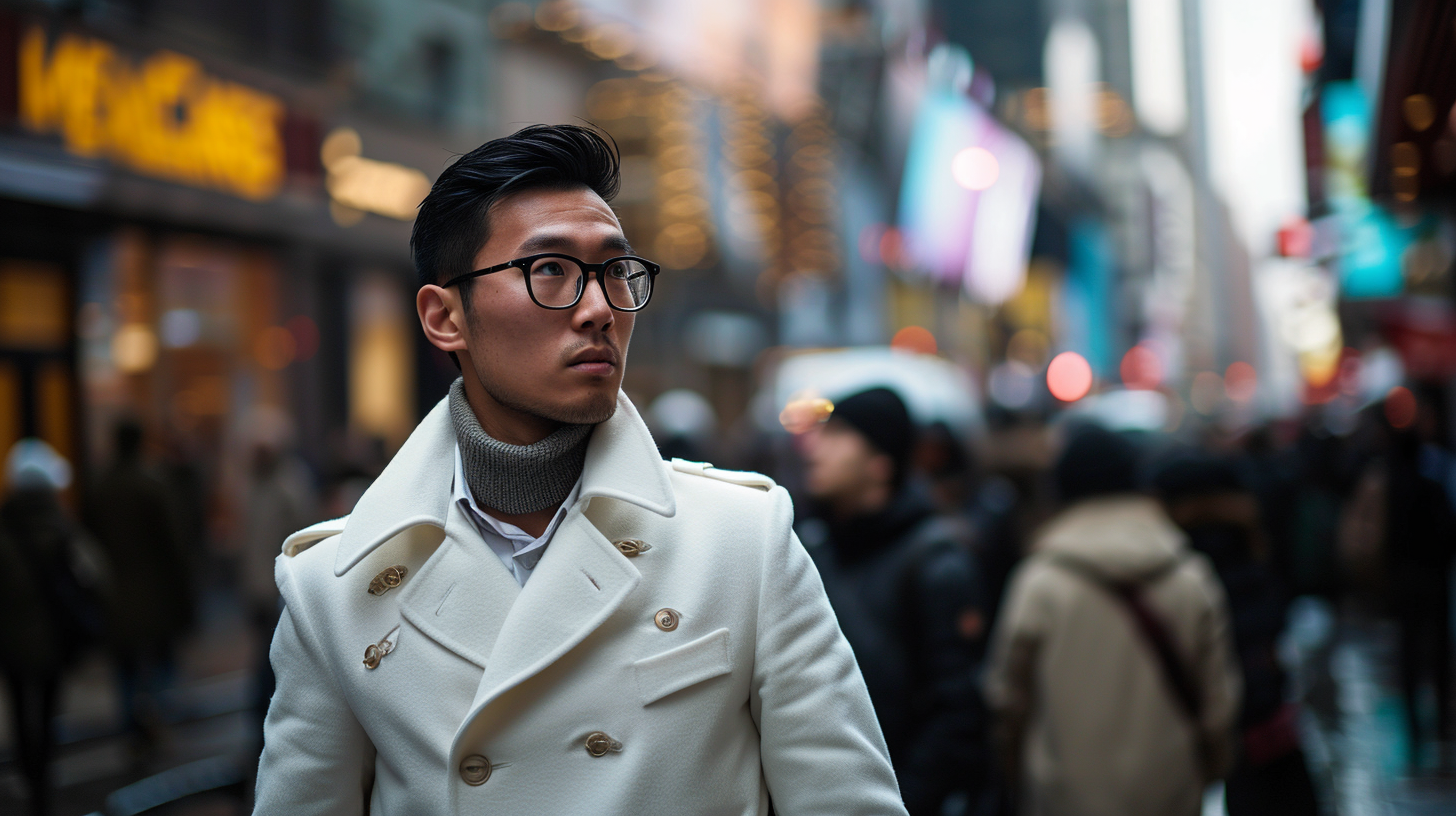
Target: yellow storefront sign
<point>164,117</point>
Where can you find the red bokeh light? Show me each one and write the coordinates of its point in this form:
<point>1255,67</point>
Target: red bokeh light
<point>1240,382</point>
<point>892,248</point>
<point>1141,369</point>
<point>914,338</point>
<point>1069,376</point>
<point>1400,407</point>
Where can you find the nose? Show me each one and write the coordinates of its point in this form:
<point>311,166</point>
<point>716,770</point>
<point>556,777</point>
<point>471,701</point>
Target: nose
<point>592,311</point>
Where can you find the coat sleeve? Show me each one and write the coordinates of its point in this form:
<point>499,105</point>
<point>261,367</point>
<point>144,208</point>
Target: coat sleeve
<point>317,759</point>
<point>822,750</point>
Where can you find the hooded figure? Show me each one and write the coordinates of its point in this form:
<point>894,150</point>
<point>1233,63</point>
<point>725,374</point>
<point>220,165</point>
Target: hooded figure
<point>1111,674</point>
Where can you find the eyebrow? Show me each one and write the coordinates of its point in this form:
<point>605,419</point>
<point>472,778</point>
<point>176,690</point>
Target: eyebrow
<point>548,243</point>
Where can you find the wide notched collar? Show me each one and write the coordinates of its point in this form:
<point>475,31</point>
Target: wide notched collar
<point>622,462</point>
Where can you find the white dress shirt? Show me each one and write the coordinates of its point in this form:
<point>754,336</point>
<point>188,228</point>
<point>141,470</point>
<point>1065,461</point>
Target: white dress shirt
<point>516,548</point>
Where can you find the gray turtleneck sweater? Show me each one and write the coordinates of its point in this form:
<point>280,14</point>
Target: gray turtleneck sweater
<point>516,479</point>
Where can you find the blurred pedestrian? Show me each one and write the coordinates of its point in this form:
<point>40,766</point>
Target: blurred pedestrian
<point>1207,498</point>
<point>150,602</point>
<point>281,499</point>
<point>904,587</point>
<point>1420,545</point>
<point>1111,675</point>
<point>51,603</point>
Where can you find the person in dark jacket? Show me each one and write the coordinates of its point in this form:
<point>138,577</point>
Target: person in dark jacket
<point>1208,499</point>
<point>150,606</point>
<point>1420,546</point>
<point>904,587</point>
<point>50,604</point>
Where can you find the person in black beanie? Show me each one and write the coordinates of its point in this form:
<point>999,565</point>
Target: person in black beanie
<point>905,589</point>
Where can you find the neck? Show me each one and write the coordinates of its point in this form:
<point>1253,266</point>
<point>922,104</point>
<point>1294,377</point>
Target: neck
<point>521,484</point>
<point>509,425</point>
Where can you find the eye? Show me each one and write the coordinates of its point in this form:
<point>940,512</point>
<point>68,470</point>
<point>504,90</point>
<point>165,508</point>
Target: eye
<point>549,267</point>
<point>620,270</point>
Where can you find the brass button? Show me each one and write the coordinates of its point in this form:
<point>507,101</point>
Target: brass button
<point>475,769</point>
<point>666,619</point>
<point>598,744</point>
<point>375,652</point>
<point>631,547</point>
<point>388,579</point>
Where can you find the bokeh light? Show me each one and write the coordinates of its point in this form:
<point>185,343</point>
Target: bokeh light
<point>1069,376</point>
<point>803,413</point>
<point>275,348</point>
<point>914,338</point>
<point>1240,382</point>
<point>1012,384</point>
<point>134,348</point>
<point>975,168</point>
<point>1400,407</point>
<point>1141,369</point>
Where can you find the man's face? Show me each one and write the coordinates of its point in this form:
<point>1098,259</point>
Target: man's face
<point>562,365</point>
<point>840,462</point>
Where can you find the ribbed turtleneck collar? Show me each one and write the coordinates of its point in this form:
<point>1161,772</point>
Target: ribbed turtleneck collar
<point>516,479</point>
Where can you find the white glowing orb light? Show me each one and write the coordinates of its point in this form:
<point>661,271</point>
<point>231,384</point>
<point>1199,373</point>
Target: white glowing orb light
<point>975,168</point>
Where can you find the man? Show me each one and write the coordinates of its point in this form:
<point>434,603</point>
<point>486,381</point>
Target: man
<point>529,611</point>
<point>902,583</point>
<point>1111,669</point>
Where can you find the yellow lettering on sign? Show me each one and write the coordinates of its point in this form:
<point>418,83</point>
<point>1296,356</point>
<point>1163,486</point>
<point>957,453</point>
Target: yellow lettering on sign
<point>165,117</point>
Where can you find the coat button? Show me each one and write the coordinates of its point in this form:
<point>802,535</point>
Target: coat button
<point>388,579</point>
<point>666,619</point>
<point>598,744</point>
<point>475,769</point>
<point>631,547</point>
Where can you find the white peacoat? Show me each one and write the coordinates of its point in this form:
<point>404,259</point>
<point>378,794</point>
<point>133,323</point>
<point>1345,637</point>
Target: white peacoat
<point>700,671</point>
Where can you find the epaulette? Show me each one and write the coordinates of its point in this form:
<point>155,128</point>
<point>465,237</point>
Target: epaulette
<point>745,478</point>
<point>309,536</point>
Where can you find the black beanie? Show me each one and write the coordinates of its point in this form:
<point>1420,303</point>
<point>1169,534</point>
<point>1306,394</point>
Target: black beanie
<point>881,417</point>
<point>1095,462</point>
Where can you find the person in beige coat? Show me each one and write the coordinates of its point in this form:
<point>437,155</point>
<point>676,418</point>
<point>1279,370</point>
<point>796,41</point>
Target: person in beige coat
<point>529,611</point>
<point>1090,721</point>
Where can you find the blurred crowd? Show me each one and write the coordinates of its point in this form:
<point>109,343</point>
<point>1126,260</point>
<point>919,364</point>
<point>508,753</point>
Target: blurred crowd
<point>1051,618</point>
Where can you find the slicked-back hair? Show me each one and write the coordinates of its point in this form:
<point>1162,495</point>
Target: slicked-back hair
<point>453,221</point>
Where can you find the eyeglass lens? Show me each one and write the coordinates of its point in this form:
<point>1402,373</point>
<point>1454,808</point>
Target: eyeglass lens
<point>559,281</point>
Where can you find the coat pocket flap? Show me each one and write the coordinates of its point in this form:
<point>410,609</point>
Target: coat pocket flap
<point>676,669</point>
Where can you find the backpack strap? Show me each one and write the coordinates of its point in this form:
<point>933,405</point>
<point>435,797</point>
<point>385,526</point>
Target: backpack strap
<point>1151,629</point>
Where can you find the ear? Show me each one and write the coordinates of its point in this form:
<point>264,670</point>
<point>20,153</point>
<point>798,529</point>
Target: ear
<point>442,316</point>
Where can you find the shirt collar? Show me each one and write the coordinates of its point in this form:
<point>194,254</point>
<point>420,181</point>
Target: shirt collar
<point>521,541</point>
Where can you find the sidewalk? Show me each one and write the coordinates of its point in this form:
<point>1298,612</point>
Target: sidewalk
<point>1354,729</point>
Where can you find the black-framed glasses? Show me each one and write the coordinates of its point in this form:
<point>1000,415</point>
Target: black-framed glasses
<point>557,281</point>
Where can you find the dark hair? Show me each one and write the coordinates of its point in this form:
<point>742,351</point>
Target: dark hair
<point>880,416</point>
<point>451,225</point>
<point>1095,462</point>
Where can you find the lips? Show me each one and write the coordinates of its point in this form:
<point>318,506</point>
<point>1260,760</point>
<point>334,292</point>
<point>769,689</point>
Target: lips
<point>594,360</point>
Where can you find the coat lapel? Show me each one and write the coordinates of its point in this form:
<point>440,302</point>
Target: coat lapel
<point>414,489</point>
<point>463,593</point>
